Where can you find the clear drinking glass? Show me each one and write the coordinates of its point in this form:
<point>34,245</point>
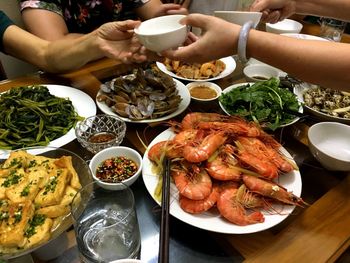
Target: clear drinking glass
<point>332,29</point>
<point>105,224</point>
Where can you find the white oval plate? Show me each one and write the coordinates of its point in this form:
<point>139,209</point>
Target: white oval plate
<point>228,89</point>
<point>230,67</point>
<point>83,104</point>
<point>211,220</point>
<point>299,91</point>
<point>183,92</point>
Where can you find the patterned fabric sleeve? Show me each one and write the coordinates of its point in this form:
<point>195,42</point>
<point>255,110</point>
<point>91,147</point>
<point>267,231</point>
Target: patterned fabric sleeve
<point>83,16</point>
<point>5,22</point>
<point>50,5</point>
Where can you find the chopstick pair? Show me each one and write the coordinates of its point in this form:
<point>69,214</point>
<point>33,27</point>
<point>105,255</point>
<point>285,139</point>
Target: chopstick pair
<point>163,256</point>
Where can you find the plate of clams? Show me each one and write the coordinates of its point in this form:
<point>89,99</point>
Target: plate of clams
<point>143,96</point>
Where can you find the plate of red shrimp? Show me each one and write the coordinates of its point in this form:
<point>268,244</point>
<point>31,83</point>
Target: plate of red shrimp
<point>217,183</point>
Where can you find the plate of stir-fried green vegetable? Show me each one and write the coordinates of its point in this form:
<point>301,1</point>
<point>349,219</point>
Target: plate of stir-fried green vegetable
<point>264,102</point>
<point>41,115</point>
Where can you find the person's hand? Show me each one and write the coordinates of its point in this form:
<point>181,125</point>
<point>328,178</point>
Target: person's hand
<point>117,40</point>
<point>274,10</point>
<point>171,9</point>
<point>219,40</point>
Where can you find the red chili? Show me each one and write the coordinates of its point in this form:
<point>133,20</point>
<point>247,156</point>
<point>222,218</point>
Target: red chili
<point>116,169</point>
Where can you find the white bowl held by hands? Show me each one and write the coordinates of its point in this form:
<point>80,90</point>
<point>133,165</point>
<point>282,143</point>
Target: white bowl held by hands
<point>329,143</point>
<point>260,72</point>
<point>162,33</point>
<point>239,17</point>
<point>116,151</point>
<point>284,26</point>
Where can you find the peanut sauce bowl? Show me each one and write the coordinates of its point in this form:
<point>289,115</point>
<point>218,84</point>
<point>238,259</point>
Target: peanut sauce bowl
<point>204,91</point>
<point>116,164</point>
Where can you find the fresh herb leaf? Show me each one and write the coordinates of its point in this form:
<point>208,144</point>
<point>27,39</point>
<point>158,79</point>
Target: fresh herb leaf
<point>263,102</point>
<point>37,220</point>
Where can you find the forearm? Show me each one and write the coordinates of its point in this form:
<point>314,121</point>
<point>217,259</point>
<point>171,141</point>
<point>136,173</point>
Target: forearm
<point>63,55</point>
<point>23,45</point>
<point>336,8</point>
<point>56,56</point>
<point>318,62</point>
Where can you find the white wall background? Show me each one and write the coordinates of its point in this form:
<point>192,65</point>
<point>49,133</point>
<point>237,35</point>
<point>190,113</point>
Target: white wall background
<point>14,67</point>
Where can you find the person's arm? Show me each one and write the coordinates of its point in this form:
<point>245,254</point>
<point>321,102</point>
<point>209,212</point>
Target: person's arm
<point>275,10</point>
<point>46,24</point>
<point>155,8</point>
<point>114,40</point>
<point>318,62</point>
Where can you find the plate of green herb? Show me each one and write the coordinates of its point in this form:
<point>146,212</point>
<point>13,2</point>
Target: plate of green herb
<point>265,102</point>
<point>41,115</point>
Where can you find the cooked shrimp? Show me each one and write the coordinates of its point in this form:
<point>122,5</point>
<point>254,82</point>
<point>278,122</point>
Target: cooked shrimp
<point>233,211</point>
<point>200,152</point>
<point>249,199</point>
<point>254,145</point>
<point>257,161</point>
<point>207,69</point>
<point>199,206</point>
<point>192,182</point>
<point>191,120</point>
<point>272,190</point>
<point>189,135</point>
<point>235,126</point>
<point>161,149</point>
<point>224,166</point>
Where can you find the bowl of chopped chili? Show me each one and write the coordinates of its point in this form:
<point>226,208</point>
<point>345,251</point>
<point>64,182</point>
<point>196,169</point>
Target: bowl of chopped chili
<point>114,165</point>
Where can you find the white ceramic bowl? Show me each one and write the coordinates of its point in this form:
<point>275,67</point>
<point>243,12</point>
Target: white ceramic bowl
<point>204,85</point>
<point>162,33</point>
<point>260,72</point>
<point>115,152</point>
<point>329,143</point>
<point>284,26</point>
<point>239,17</point>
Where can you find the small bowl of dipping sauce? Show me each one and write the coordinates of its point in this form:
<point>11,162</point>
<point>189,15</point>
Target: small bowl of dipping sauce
<point>260,72</point>
<point>204,91</point>
<point>98,132</point>
<point>116,164</point>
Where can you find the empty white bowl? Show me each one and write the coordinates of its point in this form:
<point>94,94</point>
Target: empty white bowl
<point>162,33</point>
<point>329,143</point>
<point>284,26</point>
<point>115,152</point>
<point>204,91</point>
<point>260,72</point>
<point>239,17</point>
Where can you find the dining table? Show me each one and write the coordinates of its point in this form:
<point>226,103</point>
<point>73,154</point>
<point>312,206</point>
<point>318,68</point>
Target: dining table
<point>319,232</point>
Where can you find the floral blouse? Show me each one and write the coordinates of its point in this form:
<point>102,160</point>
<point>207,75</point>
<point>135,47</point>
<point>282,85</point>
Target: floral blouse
<point>83,16</point>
